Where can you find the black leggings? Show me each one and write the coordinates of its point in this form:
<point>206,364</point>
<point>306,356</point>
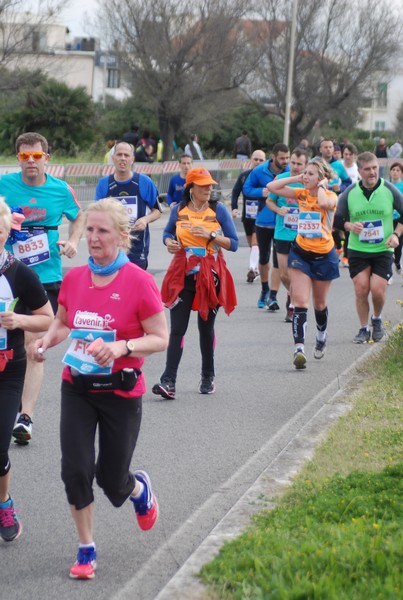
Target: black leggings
<point>180,315</point>
<point>118,421</point>
<point>265,237</point>
<point>11,384</point>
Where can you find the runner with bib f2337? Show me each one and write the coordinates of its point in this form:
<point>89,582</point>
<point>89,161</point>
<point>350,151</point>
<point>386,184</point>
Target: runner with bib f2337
<point>312,261</point>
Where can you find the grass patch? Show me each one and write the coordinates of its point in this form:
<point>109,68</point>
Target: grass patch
<point>338,532</point>
<point>370,436</point>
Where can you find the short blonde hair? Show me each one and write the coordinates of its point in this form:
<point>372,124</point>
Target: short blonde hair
<point>119,216</point>
<point>5,214</point>
<point>324,170</point>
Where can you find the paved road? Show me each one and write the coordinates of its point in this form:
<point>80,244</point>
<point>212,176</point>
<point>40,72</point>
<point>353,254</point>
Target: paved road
<point>194,447</point>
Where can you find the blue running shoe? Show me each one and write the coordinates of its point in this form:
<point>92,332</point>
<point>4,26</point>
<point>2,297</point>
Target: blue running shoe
<point>272,305</point>
<point>262,302</point>
<point>85,565</point>
<point>146,505</point>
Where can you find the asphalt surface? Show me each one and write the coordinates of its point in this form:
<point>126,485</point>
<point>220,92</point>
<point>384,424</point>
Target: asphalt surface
<point>203,453</point>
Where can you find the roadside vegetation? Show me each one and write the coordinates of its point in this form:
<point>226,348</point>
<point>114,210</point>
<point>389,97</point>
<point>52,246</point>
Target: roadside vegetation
<point>78,129</point>
<point>337,533</point>
<point>211,68</point>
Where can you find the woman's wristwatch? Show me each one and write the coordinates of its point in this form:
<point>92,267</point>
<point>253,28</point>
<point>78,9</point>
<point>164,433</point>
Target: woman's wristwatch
<point>129,347</point>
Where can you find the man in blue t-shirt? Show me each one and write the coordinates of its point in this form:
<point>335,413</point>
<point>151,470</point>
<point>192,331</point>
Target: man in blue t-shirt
<point>255,187</point>
<point>138,194</point>
<point>177,182</point>
<point>44,200</point>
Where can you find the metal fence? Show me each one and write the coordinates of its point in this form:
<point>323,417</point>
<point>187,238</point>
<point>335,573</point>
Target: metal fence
<point>83,178</point>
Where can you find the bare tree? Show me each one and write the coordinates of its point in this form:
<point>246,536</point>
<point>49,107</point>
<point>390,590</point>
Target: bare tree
<point>340,45</point>
<point>187,60</point>
<point>23,33</point>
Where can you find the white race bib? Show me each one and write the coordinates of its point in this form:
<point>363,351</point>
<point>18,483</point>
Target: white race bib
<point>251,209</point>
<point>34,250</point>
<point>309,224</point>
<point>131,207</point>
<point>77,356</point>
<point>4,305</point>
<point>291,219</point>
<point>195,251</point>
<point>372,232</point>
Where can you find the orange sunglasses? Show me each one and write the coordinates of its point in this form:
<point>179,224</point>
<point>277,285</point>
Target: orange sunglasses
<point>35,155</point>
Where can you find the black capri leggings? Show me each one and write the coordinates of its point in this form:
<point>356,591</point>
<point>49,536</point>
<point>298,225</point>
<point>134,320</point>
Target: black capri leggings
<point>118,420</point>
<point>11,385</point>
<point>265,236</point>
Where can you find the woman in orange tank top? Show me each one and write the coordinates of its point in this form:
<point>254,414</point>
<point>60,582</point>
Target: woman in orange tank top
<point>312,261</point>
<point>198,230</point>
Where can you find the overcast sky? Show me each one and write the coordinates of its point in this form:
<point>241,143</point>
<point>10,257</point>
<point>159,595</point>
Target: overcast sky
<point>74,17</point>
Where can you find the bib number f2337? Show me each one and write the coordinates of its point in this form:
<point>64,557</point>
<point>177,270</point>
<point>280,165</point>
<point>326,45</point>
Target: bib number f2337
<point>309,224</point>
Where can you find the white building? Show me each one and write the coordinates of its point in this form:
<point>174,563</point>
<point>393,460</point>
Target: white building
<point>46,46</point>
<point>385,101</point>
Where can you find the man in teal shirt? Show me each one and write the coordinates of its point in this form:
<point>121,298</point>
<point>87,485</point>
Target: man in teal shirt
<point>285,231</point>
<point>44,200</point>
<point>326,151</point>
<point>338,185</point>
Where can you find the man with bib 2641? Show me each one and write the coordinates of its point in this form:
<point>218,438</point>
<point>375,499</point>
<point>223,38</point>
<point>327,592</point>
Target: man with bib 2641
<point>139,196</point>
<point>44,200</point>
<point>365,210</point>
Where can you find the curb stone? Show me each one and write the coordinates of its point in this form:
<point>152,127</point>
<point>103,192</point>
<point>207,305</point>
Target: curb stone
<point>278,475</point>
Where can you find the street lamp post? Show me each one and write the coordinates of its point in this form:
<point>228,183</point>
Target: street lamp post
<point>288,98</point>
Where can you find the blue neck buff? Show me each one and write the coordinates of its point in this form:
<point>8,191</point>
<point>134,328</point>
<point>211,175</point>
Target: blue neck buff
<point>114,266</point>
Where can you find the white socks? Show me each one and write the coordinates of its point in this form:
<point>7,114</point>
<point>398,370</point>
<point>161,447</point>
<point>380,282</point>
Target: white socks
<point>254,258</point>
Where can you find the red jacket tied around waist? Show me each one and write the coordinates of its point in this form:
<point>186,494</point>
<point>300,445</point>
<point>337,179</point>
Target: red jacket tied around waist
<point>206,292</point>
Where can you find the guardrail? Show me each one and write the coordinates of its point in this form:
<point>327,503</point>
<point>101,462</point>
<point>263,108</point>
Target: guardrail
<point>84,177</point>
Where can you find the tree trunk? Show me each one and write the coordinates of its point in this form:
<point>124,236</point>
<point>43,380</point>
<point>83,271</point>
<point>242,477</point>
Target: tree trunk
<point>298,133</point>
<point>167,136</point>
